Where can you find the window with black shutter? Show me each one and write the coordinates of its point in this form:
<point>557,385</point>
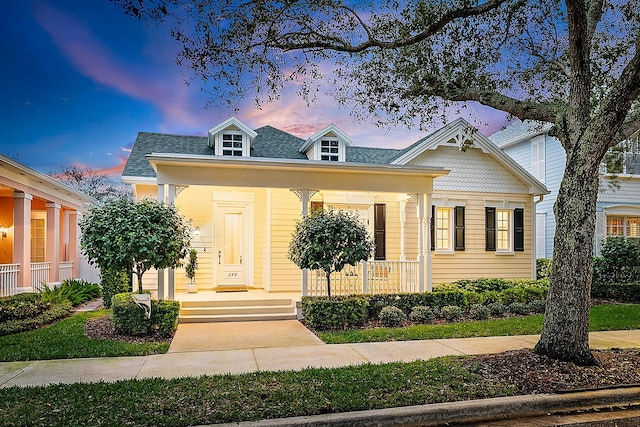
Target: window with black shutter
<point>518,229</point>
<point>490,229</point>
<point>379,231</point>
<point>459,228</point>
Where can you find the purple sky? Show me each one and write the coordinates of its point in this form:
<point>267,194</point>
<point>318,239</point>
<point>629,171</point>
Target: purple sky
<point>81,80</point>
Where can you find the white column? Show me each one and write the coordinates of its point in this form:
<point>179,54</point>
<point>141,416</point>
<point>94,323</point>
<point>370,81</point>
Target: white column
<point>304,202</point>
<point>403,221</point>
<point>160,273</point>
<point>53,240</point>
<point>171,276</point>
<point>22,237</point>
<point>428,244</point>
<point>421,241</point>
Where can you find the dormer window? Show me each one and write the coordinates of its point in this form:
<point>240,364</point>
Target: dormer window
<point>330,150</point>
<point>232,144</point>
<point>231,138</point>
<point>328,145</point>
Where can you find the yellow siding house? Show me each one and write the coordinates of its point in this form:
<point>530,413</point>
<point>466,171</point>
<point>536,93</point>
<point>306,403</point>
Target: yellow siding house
<point>450,206</point>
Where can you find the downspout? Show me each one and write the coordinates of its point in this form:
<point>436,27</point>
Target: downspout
<point>534,223</point>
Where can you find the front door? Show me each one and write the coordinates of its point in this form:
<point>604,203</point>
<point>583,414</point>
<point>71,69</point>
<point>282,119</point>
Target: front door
<point>231,245</point>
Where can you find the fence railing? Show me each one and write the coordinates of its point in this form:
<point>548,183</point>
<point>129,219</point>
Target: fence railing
<point>8,279</point>
<point>39,275</point>
<point>65,270</point>
<point>370,277</point>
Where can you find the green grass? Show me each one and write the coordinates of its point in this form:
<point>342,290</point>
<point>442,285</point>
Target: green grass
<point>66,339</point>
<point>248,397</point>
<point>607,317</point>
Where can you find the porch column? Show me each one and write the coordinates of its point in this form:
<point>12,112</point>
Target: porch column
<point>160,273</point>
<point>403,221</point>
<point>73,248</point>
<point>53,240</point>
<point>427,230</point>
<point>304,194</point>
<point>420,202</point>
<point>22,238</point>
<point>171,277</point>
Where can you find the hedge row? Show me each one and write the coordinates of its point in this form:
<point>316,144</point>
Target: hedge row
<point>51,314</point>
<point>621,292</point>
<point>342,312</point>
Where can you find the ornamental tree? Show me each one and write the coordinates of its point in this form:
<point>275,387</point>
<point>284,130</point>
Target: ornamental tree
<point>329,240</point>
<point>134,236</point>
<point>572,63</point>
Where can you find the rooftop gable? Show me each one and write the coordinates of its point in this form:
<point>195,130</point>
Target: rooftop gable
<point>321,133</point>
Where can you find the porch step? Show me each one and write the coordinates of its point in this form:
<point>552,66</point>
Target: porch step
<point>237,310</point>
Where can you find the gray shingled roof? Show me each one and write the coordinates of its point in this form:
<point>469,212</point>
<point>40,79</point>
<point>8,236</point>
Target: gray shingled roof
<point>514,130</point>
<point>269,143</point>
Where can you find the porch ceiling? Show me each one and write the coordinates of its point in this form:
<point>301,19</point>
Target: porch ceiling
<point>268,173</point>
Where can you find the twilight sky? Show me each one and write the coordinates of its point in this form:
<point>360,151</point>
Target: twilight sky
<point>80,80</point>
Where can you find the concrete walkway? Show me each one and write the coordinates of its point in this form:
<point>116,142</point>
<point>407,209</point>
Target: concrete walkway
<point>219,348</point>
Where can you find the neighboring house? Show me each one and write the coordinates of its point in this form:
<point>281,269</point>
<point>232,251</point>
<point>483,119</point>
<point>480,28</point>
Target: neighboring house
<point>39,234</point>
<point>244,189</point>
<point>618,205</point>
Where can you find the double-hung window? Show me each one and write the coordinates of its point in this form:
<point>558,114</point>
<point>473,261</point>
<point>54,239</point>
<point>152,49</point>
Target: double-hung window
<point>447,228</point>
<point>627,226</point>
<point>504,229</point>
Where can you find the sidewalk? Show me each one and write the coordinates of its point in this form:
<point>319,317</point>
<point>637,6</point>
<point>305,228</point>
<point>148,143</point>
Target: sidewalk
<point>271,347</point>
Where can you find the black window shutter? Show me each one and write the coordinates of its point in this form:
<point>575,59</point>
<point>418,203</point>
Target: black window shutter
<point>379,231</point>
<point>459,228</point>
<point>433,228</point>
<point>490,229</point>
<point>518,229</point>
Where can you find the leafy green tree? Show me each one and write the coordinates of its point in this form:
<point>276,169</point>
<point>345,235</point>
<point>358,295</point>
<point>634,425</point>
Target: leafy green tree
<point>572,63</point>
<point>125,235</point>
<point>329,240</point>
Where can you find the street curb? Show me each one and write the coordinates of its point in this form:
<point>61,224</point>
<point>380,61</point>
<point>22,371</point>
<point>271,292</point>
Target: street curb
<point>439,414</point>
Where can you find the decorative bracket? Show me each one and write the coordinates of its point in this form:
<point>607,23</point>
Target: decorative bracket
<point>179,189</point>
<point>298,192</point>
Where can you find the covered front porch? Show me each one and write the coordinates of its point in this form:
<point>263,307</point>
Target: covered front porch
<point>219,193</point>
<point>39,233</point>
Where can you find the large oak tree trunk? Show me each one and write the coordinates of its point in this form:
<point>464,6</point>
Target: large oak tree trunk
<point>565,333</point>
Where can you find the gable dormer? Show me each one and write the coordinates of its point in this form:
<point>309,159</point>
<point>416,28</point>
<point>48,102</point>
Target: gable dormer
<point>231,138</point>
<point>329,145</point>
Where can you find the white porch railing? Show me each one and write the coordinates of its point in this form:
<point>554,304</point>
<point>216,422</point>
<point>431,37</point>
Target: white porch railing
<point>371,277</point>
<point>65,270</point>
<point>39,275</point>
<point>8,279</point>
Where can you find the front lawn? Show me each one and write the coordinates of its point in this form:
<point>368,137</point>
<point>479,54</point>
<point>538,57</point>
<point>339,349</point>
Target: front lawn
<point>606,317</point>
<point>66,339</point>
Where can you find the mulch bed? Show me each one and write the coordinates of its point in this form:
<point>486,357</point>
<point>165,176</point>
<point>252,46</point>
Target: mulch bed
<point>101,327</point>
<point>530,373</point>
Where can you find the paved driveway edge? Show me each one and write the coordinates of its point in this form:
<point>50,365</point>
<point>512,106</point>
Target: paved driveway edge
<point>465,411</point>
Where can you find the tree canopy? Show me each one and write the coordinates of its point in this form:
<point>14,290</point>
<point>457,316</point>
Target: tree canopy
<point>124,235</point>
<point>572,63</point>
<point>329,240</point>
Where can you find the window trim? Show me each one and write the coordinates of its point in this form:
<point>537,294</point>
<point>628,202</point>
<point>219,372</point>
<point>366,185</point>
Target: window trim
<point>515,230</point>
<point>455,229</point>
<point>624,225</point>
<point>219,144</point>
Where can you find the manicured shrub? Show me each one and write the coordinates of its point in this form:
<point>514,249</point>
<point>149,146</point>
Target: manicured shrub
<point>392,317</point>
<point>497,309</point>
<point>51,314</point>
<point>478,312</point>
<point>519,308</point>
<point>113,282</point>
<point>422,314</point>
<point>619,261</point>
<point>129,319</point>
<point>22,306</point>
<point>537,306</point>
<point>625,292</point>
<point>543,268</point>
<point>451,312</point>
<point>325,313</point>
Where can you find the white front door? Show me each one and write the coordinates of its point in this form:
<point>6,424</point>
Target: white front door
<point>231,245</point>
